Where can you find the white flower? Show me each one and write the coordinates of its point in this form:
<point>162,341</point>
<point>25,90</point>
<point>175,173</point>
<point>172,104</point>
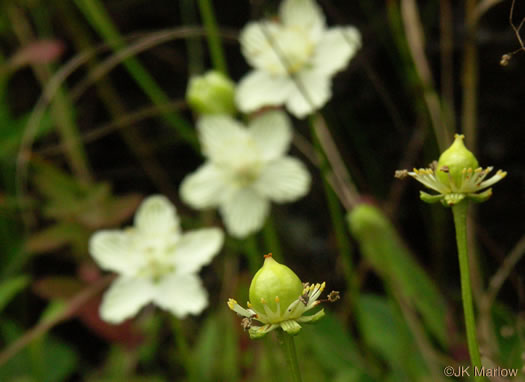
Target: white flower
<point>296,50</point>
<point>155,261</point>
<point>246,168</point>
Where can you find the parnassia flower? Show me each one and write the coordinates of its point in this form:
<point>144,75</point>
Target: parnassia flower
<point>246,168</point>
<point>294,58</point>
<point>155,261</point>
<point>455,176</point>
<point>278,299</point>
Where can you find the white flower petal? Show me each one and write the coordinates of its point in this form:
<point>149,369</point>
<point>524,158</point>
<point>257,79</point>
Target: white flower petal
<point>272,133</point>
<point>196,249</point>
<point>244,212</point>
<point>181,294</point>
<point>259,88</point>
<point>311,93</point>
<point>206,187</point>
<point>284,180</point>
<point>157,215</point>
<point>335,49</point>
<point>257,40</point>
<point>112,251</point>
<point>124,298</point>
<point>305,14</point>
<point>224,140</point>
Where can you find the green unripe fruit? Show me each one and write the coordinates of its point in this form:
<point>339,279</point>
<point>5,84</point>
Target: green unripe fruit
<point>273,281</point>
<point>212,93</point>
<point>453,160</point>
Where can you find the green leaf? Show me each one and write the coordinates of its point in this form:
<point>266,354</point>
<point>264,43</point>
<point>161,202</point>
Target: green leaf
<point>383,248</point>
<point>332,346</point>
<point>386,333</point>
<point>10,287</point>
<point>57,236</point>
<point>59,361</point>
<point>508,336</point>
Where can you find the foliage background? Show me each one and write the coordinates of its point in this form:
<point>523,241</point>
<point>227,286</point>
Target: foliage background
<point>54,195</point>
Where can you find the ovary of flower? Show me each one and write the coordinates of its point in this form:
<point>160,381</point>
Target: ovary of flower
<point>246,168</point>
<point>286,317</point>
<point>155,261</point>
<point>294,59</point>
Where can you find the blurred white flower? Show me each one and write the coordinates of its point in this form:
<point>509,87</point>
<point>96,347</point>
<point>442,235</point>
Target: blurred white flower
<point>246,169</point>
<point>155,261</point>
<point>294,59</point>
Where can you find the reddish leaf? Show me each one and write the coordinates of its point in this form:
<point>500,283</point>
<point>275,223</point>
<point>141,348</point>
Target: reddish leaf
<point>38,52</point>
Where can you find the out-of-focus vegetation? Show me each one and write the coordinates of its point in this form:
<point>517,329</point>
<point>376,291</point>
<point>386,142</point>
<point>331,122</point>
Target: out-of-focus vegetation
<point>93,119</point>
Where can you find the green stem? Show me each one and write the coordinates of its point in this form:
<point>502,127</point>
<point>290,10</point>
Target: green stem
<point>338,221</point>
<point>271,239</point>
<point>193,44</point>
<point>251,250</point>
<point>460,221</point>
<point>288,345</point>
<point>182,346</point>
<point>214,40</point>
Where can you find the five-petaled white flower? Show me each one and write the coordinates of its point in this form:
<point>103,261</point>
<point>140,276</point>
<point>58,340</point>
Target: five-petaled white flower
<point>246,168</point>
<point>155,261</point>
<point>294,59</point>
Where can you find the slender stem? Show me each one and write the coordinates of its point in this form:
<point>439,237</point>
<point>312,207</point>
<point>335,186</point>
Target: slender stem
<point>271,239</point>
<point>251,250</point>
<point>470,77</point>
<point>214,41</point>
<point>193,44</point>
<point>460,221</point>
<point>288,345</point>
<point>182,345</point>
<point>338,222</point>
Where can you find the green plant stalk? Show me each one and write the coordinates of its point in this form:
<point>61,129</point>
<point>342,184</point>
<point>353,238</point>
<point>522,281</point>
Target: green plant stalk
<point>182,346</point>
<point>460,221</point>
<point>97,16</point>
<point>288,345</point>
<point>251,250</point>
<point>212,32</point>
<point>338,221</point>
<point>271,239</point>
<point>193,44</point>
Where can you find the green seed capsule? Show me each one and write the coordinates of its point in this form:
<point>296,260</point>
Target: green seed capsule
<point>453,161</point>
<point>274,283</point>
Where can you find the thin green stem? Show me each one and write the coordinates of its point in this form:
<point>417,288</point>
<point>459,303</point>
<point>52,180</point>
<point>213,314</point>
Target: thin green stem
<point>182,346</point>
<point>97,16</point>
<point>271,239</point>
<point>288,345</point>
<point>338,221</point>
<point>460,221</point>
<point>252,252</point>
<point>214,41</point>
<point>193,44</point>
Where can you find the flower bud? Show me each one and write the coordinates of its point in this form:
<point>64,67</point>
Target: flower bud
<point>274,284</point>
<point>212,93</point>
<point>453,161</point>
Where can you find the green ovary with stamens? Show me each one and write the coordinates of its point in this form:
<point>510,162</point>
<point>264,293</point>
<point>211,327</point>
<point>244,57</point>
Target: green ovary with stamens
<point>274,283</point>
<point>453,161</point>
